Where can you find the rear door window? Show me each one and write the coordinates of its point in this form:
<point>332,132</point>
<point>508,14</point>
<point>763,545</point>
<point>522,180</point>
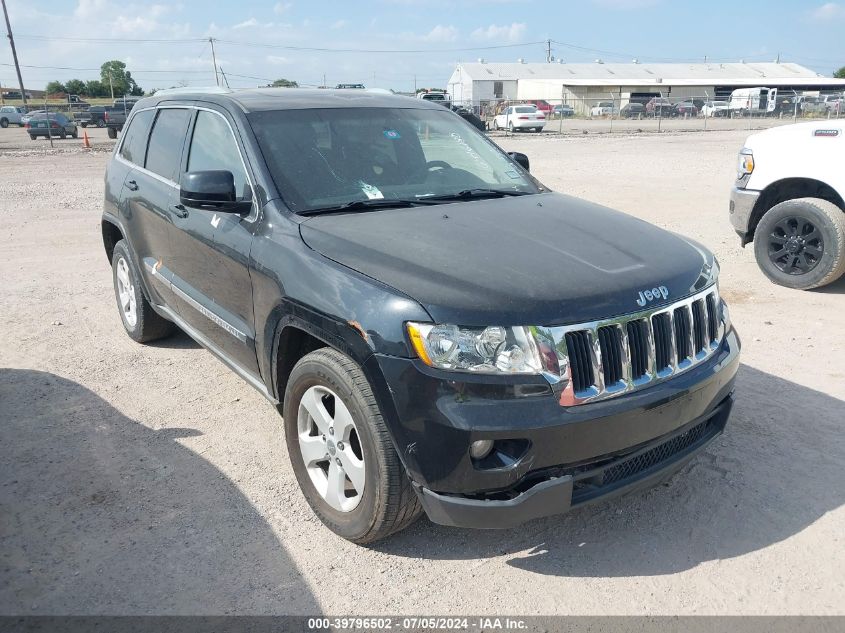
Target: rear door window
<point>164,153</point>
<point>135,137</point>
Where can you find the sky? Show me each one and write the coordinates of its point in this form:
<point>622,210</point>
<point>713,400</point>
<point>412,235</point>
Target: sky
<point>400,44</point>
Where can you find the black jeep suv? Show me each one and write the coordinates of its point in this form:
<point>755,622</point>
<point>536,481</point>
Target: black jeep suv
<point>439,330</point>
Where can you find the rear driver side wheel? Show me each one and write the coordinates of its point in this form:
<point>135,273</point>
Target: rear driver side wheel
<point>340,450</point>
<point>140,321</point>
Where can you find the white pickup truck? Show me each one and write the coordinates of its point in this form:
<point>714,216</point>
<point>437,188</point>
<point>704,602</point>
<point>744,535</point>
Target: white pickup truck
<point>788,199</point>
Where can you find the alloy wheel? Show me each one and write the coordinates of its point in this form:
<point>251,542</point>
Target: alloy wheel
<point>126,293</point>
<point>795,245</point>
<point>331,448</point>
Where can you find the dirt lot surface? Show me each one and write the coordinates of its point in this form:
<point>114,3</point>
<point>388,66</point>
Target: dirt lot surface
<point>151,479</point>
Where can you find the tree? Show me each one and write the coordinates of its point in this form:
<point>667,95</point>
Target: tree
<point>94,88</point>
<point>840,74</point>
<point>113,74</point>
<point>75,87</point>
<point>283,83</point>
<point>55,87</point>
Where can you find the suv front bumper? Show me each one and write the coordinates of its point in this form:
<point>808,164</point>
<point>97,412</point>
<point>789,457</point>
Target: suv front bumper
<point>741,207</point>
<point>570,456</point>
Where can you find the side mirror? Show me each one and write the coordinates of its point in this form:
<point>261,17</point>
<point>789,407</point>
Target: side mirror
<point>522,159</point>
<point>212,189</point>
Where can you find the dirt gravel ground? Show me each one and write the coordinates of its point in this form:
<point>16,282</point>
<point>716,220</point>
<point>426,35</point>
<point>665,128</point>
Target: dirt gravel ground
<point>151,479</point>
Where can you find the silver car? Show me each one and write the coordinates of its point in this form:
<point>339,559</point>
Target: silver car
<point>11,115</point>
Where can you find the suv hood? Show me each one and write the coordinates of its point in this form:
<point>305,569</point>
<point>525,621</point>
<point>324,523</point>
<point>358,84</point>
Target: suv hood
<point>545,259</point>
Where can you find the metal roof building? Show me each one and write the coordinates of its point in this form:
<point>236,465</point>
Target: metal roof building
<point>475,83</point>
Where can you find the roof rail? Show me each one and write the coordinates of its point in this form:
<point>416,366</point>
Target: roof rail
<point>212,90</point>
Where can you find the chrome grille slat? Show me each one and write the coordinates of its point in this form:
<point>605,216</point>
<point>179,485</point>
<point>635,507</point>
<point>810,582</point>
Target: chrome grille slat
<point>593,355</point>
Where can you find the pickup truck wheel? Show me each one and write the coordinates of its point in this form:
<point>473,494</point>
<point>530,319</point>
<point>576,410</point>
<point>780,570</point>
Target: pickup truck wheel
<point>75,133</point>
<point>140,321</point>
<point>801,243</point>
<point>340,450</point>
<point>112,132</point>
<point>101,123</point>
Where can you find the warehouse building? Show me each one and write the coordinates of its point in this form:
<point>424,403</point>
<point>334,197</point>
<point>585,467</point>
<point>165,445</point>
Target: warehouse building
<point>584,84</point>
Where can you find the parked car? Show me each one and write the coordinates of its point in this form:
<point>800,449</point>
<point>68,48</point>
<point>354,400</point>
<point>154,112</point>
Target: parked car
<point>94,116</point>
<point>54,124</point>
<point>605,108</point>
<point>659,107</point>
<point>470,117</point>
<point>685,108</point>
<point>30,114</point>
<point>787,199</point>
<point>75,102</point>
<point>543,106</point>
<point>564,110</point>
<point>15,96</point>
<point>11,115</point>
<point>812,105</point>
<point>398,306</point>
<point>520,117</point>
<point>632,110</point>
<point>715,109</point>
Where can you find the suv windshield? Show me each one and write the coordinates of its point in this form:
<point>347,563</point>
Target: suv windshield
<point>321,158</point>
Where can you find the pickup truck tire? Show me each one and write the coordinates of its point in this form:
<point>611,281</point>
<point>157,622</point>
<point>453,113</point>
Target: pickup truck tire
<point>4,123</point>
<point>101,123</point>
<point>75,134</point>
<point>112,132</point>
<point>387,503</point>
<point>800,243</point>
<point>141,322</point>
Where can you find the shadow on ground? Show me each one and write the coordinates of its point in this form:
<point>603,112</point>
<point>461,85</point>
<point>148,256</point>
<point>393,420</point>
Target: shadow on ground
<point>102,515</point>
<point>776,470</point>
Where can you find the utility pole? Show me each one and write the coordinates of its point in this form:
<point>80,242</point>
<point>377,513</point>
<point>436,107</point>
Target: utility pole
<point>548,51</point>
<point>14,51</point>
<point>111,87</point>
<point>214,61</point>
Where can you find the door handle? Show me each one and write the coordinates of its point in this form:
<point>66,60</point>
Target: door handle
<point>179,210</point>
<point>132,185</point>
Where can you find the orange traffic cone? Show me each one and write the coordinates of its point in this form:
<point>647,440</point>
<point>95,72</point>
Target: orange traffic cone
<point>86,143</point>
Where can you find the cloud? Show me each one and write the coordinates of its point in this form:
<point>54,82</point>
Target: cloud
<point>441,33</point>
<point>252,23</point>
<point>277,60</point>
<point>828,11</point>
<point>339,24</point>
<point>506,33</point>
<point>282,7</point>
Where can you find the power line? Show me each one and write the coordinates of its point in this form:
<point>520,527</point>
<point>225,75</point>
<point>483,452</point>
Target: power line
<point>183,71</point>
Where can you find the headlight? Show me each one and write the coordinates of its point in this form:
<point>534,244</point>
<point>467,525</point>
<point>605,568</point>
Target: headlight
<point>745,163</point>
<point>486,350</point>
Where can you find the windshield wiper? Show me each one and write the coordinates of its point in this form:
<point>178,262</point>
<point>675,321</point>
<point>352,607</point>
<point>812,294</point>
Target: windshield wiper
<point>475,194</point>
<point>365,205</point>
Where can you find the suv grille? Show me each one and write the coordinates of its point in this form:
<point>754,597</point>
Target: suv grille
<point>611,357</point>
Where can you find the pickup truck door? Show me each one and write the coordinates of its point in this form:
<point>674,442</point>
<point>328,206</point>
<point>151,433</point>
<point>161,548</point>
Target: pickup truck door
<point>211,249</point>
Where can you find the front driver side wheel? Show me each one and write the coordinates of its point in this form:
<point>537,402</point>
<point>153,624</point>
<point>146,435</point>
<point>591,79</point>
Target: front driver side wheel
<point>340,450</point>
<point>801,243</point>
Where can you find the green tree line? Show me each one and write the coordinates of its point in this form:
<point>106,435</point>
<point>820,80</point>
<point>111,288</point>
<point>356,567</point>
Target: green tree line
<point>113,75</point>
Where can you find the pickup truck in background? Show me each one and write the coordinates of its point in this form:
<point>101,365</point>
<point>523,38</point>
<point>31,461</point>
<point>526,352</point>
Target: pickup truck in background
<point>11,115</point>
<point>788,199</point>
<point>112,117</point>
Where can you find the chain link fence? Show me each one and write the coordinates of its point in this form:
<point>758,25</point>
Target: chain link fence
<point>746,109</point>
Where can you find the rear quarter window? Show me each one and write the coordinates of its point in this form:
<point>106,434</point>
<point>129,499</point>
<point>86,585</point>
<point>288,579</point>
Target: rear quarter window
<point>135,137</point>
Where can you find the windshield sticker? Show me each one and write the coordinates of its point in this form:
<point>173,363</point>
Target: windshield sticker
<point>392,134</point>
<point>512,174</point>
<point>370,191</point>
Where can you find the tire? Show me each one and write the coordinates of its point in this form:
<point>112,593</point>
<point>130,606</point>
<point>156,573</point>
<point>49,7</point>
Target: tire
<point>75,133</point>
<point>112,132</point>
<point>4,123</point>
<point>387,503</point>
<point>63,134</point>
<point>511,128</point>
<point>101,123</point>
<point>801,243</point>
<point>32,137</point>
<point>147,324</point>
